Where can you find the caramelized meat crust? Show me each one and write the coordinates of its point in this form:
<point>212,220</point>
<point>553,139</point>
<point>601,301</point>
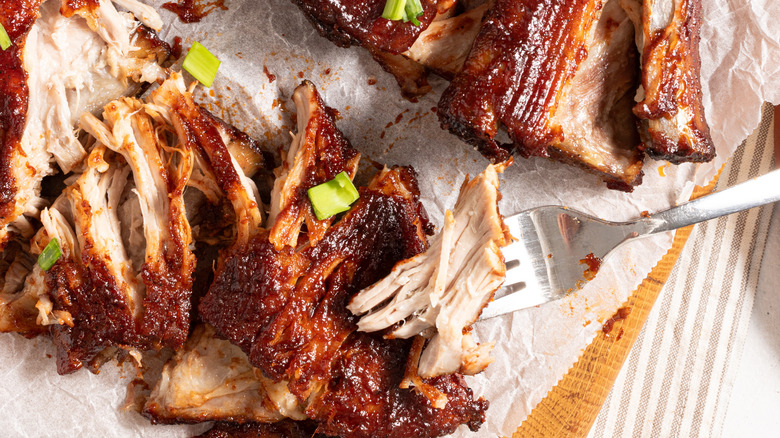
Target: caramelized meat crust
<point>523,54</point>
<point>17,17</point>
<point>673,126</point>
<point>367,374</point>
<point>287,309</point>
<point>101,317</point>
<point>360,22</point>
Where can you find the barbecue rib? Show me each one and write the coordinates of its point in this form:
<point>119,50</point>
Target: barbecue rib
<point>447,286</point>
<point>317,154</point>
<point>286,309</point>
<point>60,66</point>
<point>669,102</point>
<point>557,76</point>
<point>125,282</point>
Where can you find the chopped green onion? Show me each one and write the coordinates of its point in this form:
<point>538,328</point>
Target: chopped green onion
<point>5,40</point>
<point>394,9</point>
<point>201,64</point>
<point>333,197</point>
<point>50,255</point>
<point>413,10</point>
<point>404,10</point>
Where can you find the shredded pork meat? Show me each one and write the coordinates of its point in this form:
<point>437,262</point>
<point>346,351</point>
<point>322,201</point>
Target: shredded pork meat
<point>446,287</point>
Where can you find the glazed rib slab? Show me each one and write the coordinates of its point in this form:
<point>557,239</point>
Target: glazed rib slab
<point>558,76</point>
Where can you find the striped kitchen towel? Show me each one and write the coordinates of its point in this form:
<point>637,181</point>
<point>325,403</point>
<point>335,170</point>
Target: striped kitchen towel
<point>679,375</point>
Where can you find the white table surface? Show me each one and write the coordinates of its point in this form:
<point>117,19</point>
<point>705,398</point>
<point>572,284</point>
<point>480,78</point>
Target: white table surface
<point>754,407</point>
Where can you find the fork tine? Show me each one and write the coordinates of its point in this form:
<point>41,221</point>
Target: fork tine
<point>544,262</point>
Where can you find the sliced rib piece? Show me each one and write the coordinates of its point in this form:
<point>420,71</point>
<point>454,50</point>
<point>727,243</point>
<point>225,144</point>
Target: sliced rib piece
<point>448,285</point>
<point>541,67</point>
<point>59,67</point>
<point>669,102</point>
<point>210,140</point>
<point>265,317</point>
<point>360,22</point>
<point>317,154</point>
<point>93,284</point>
<point>210,379</point>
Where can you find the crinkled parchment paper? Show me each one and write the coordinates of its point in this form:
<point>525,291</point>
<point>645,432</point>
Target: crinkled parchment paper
<point>740,69</point>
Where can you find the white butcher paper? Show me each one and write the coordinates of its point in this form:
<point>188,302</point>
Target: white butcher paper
<point>740,56</point>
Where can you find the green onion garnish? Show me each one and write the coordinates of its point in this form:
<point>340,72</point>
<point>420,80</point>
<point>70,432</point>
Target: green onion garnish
<point>413,10</point>
<point>5,40</point>
<point>201,64</point>
<point>333,197</point>
<point>394,10</point>
<point>50,255</point>
<point>405,10</point>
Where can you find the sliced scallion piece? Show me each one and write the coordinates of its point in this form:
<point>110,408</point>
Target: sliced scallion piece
<point>50,255</point>
<point>394,9</point>
<point>413,10</point>
<point>201,64</point>
<point>333,197</point>
<point>5,40</point>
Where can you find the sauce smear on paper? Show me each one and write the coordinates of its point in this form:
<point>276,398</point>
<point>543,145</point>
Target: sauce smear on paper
<point>192,11</point>
<point>622,313</point>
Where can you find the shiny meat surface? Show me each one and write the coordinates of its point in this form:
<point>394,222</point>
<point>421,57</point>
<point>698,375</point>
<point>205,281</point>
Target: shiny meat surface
<point>347,22</point>
<point>317,154</point>
<point>447,286</point>
<point>673,126</point>
<point>522,69</point>
<point>367,375</point>
<point>17,17</point>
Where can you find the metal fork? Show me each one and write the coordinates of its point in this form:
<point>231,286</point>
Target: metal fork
<point>548,259</point>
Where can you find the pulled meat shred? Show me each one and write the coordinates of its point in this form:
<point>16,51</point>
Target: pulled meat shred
<point>446,287</point>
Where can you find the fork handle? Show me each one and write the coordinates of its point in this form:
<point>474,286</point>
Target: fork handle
<point>756,192</point>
